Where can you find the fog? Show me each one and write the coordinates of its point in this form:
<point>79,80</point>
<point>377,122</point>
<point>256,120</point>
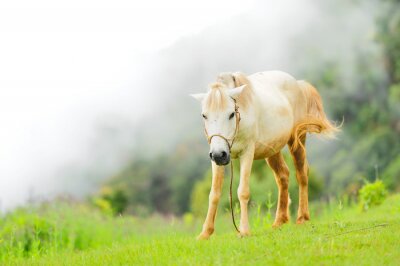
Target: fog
<point>70,73</point>
<point>83,90</point>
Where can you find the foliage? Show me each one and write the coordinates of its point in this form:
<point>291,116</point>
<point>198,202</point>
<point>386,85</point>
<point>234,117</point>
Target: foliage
<point>109,200</point>
<point>392,174</point>
<point>372,194</point>
<point>34,231</point>
<point>364,92</point>
<point>162,184</point>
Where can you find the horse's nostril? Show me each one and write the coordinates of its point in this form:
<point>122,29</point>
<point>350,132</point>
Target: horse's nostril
<point>210,155</point>
<point>223,155</point>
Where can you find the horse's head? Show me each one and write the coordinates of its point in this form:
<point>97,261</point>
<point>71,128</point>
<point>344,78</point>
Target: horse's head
<point>221,119</point>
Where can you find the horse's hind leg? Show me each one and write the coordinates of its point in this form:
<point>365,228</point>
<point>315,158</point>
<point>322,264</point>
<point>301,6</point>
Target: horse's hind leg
<point>281,173</point>
<point>300,162</point>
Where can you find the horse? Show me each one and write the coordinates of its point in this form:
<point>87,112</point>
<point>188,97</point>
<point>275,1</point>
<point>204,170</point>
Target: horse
<point>251,118</point>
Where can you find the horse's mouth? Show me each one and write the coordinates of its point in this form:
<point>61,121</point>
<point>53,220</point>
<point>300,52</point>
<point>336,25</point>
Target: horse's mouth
<point>222,162</point>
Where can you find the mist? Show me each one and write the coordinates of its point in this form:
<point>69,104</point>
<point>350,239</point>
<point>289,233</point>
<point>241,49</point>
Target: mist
<point>273,36</point>
<point>73,80</point>
<point>79,102</point>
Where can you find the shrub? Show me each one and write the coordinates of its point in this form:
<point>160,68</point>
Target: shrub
<point>36,230</point>
<point>111,200</point>
<point>372,194</point>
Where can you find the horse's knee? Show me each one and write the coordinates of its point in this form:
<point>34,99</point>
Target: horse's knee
<point>244,197</point>
<point>243,194</point>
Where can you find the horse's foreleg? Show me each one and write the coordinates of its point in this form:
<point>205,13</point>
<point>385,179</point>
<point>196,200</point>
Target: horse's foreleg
<point>246,162</point>
<point>300,162</point>
<point>215,194</point>
<point>281,173</point>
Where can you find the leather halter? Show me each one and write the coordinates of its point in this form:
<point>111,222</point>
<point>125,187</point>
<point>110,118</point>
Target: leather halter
<point>231,140</point>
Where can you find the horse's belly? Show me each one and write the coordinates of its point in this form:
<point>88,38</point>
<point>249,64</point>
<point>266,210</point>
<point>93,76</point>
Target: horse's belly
<point>269,148</point>
<point>274,131</point>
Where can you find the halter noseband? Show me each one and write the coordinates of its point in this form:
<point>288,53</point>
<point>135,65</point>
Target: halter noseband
<point>237,121</point>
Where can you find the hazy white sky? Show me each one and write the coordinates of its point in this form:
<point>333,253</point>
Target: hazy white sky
<point>65,63</point>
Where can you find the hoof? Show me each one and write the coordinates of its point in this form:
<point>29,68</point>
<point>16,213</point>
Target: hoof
<point>243,233</point>
<point>203,236</point>
<point>302,219</point>
<point>279,223</point>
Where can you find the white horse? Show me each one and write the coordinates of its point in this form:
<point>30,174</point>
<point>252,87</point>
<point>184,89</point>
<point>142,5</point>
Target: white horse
<point>254,117</point>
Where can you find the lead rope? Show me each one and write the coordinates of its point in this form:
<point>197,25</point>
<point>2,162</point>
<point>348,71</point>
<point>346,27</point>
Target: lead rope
<point>230,199</point>
<point>230,188</point>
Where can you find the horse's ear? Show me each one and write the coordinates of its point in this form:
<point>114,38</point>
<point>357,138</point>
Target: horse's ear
<point>198,96</point>
<point>235,93</point>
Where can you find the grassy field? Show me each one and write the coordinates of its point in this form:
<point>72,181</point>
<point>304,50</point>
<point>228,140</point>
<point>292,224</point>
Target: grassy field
<point>63,235</point>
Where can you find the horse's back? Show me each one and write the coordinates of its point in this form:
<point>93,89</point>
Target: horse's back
<point>272,78</point>
<point>279,88</point>
<point>275,80</point>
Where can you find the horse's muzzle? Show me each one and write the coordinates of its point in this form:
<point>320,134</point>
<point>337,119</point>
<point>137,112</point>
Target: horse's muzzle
<point>220,158</point>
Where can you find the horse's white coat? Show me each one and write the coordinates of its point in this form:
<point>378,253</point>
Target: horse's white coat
<point>272,105</point>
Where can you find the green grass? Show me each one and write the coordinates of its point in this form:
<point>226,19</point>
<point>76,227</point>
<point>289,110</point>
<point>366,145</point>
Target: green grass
<point>338,236</point>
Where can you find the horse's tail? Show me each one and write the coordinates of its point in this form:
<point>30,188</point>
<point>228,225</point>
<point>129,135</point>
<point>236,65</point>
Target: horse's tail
<point>315,120</point>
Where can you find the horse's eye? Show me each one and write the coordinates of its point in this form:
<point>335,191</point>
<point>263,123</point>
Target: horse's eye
<point>204,116</point>
<point>231,116</point>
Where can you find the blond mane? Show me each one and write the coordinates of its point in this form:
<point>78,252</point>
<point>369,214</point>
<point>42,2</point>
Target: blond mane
<point>217,98</point>
<point>246,96</point>
<point>226,81</point>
